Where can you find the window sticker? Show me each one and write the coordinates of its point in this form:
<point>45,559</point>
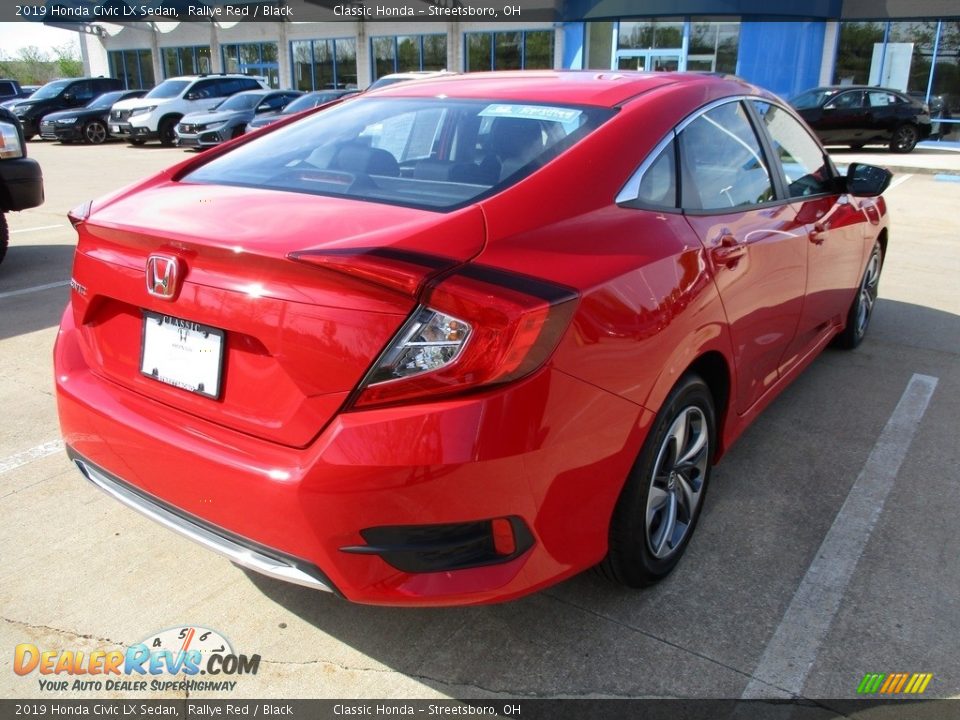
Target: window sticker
<point>532,112</point>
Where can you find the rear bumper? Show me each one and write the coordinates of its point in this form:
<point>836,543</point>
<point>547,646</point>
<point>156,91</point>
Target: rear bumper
<point>551,451</point>
<point>239,550</point>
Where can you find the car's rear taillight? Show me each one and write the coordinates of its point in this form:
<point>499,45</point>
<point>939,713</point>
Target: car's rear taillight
<point>475,327</point>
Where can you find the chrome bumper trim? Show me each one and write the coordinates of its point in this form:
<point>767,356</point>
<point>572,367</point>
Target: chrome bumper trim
<point>241,555</point>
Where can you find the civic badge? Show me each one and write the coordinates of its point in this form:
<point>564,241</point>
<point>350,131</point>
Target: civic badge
<point>163,276</point>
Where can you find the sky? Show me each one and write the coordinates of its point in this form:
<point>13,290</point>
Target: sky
<point>15,35</point>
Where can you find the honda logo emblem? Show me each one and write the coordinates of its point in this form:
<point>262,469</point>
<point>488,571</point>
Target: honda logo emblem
<point>163,276</point>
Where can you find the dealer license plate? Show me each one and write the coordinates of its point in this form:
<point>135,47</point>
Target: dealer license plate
<point>182,353</point>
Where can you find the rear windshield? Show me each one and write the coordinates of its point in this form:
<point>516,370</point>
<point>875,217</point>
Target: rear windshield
<point>422,152</point>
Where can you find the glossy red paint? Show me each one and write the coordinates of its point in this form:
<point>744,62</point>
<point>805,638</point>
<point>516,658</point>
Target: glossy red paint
<point>297,457</point>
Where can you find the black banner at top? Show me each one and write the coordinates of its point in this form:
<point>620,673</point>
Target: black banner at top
<point>120,11</point>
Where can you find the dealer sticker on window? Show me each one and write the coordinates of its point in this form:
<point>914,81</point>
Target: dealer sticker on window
<point>532,112</point>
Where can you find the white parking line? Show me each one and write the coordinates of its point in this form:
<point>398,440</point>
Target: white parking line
<point>899,180</point>
<point>791,652</point>
<point>35,288</point>
<point>34,229</point>
<point>27,456</point>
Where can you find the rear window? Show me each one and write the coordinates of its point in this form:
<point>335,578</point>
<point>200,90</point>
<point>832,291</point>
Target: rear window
<point>429,153</point>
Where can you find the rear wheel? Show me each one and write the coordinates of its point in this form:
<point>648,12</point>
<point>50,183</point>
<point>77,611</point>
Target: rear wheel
<point>858,317</point>
<point>166,131</point>
<point>905,138</point>
<point>4,236</point>
<point>658,509</point>
<point>94,132</point>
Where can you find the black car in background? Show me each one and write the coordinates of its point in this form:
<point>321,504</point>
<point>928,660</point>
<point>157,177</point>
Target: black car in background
<point>304,102</point>
<point>60,95</point>
<point>858,115</point>
<point>21,182</point>
<point>88,123</point>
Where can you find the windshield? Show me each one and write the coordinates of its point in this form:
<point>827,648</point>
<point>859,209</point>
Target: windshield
<point>421,152</point>
<point>811,98</point>
<point>241,101</point>
<point>306,102</point>
<point>105,100</point>
<point>168,89</point>
<point>50,90</point>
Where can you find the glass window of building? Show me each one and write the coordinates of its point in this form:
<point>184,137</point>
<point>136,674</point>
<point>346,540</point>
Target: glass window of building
<point>258,59</point>
<point>407,53</point>
<point>509,50</point>
<point>599,45</point>
<point>185,60</point>
<point>921,58</point>
<point>324,64</point>
<point>134,67</point>
<point>650,34</point>
<point>713,46</point>
<point>855,51</point>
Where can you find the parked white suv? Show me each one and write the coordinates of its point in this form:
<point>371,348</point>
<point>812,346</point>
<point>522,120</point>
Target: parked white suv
<point>156,114</point>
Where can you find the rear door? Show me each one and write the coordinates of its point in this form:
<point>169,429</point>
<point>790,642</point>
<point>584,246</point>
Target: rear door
<point>757,250</point>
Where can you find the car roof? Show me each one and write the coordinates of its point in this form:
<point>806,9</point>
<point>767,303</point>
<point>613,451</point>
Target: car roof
<point>572,87</point>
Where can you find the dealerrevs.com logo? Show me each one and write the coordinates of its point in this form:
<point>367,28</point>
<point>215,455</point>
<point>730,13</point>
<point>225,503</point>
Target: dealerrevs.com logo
<point>168,660</point>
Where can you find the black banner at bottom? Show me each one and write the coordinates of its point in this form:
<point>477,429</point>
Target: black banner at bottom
<point>183,709</point>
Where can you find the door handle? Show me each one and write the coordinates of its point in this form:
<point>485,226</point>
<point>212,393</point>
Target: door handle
<point>818,234</point>
<point>728,250</point>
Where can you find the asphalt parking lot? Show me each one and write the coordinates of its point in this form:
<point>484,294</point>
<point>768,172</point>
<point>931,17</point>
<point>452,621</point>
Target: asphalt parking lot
<point>827,548</point>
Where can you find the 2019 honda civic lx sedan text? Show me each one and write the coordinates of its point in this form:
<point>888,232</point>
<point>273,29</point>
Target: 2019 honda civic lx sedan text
<point>455,340</point>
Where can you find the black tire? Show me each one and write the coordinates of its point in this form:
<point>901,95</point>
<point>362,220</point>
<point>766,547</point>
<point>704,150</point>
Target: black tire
<point>168,137</point>
<point>861,310</point>
<point>645,545</point>
<point>904,139</point>
<point>94,133</point>
<point>237,132</point>
<point>4,236</point>
<point>28,136</point>
<point>137,141</point>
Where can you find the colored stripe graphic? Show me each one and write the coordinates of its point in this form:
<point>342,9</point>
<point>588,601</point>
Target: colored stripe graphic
<point>894,683</point>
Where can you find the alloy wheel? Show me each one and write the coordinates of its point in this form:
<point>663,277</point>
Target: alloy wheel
<point>868,293</point>
<point>676,482</point>
<point>95,133</point>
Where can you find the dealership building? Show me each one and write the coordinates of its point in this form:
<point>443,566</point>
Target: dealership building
<point>786,47</point>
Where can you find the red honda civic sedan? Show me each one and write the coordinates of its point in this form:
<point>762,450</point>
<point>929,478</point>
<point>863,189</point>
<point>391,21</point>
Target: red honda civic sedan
<point>456,340</point>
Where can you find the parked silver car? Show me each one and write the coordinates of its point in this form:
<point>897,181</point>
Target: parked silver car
<point>228,119</point>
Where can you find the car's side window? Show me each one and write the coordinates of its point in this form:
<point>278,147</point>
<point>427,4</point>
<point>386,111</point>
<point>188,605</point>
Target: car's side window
<point>880,99</point>
<point>805,164</point>
<point>846,100</point>
<point>722,163</point>
<point>658,187</point>
<point>204,89</point>
<point>82,91</point>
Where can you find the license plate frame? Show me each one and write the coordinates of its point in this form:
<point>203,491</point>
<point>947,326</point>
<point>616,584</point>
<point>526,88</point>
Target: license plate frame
<point>182,354</point>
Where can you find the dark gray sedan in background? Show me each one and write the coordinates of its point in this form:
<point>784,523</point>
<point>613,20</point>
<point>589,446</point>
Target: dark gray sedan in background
<point>228,119</point>
<point>304,102</point>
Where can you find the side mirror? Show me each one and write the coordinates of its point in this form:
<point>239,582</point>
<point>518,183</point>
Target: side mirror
<point>867,180</point>
<point>191,96</point>
<point>68,97</point>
